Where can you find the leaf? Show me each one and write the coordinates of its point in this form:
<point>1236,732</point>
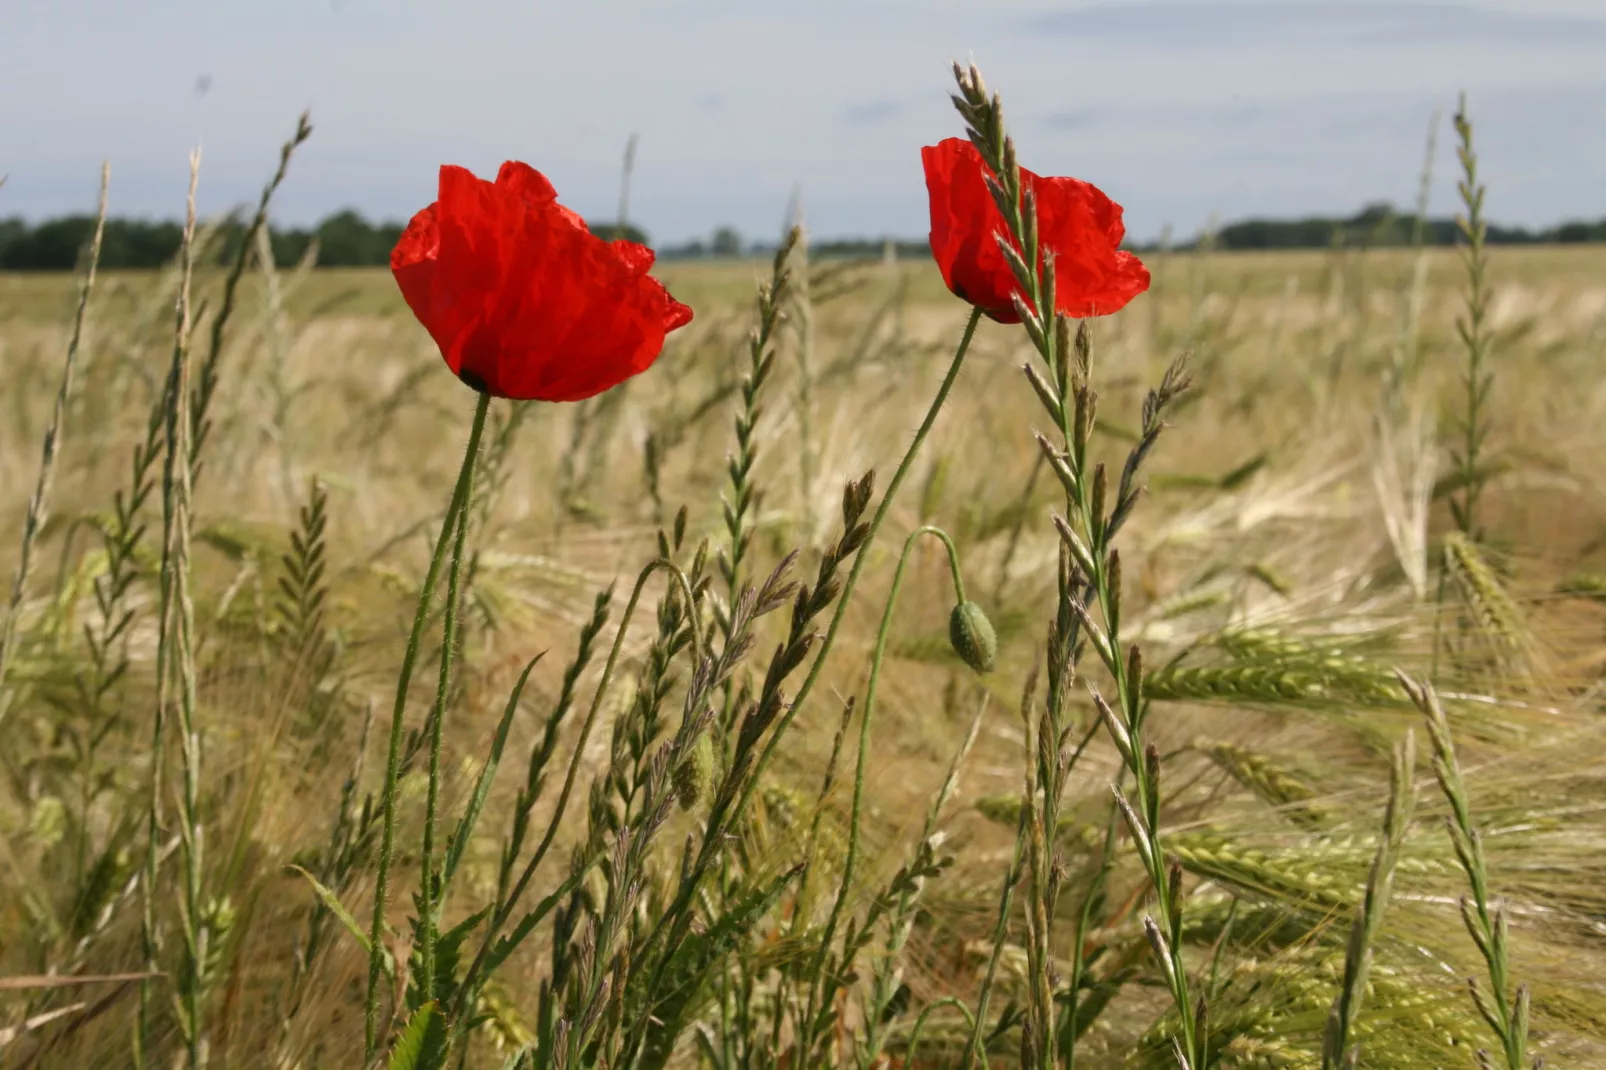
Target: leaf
<point>693,962</point>
<point>482,788</point>
<point>1244,472</point>
<point>448,955</point>
<point>423,1045</point>
<point>333,904</point>
<point>508,944</point>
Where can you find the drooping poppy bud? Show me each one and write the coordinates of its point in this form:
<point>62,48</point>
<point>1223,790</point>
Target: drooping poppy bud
<point>972,637</point>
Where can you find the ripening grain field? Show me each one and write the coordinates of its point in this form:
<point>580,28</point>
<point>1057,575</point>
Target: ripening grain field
<point>1294,548</point>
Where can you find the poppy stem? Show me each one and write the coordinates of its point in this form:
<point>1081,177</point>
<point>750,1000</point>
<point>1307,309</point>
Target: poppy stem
<point>863,555</point>
<point>454,514</point>
<point>675,921</point>
<point>882,635</point>
<point>431,889</point>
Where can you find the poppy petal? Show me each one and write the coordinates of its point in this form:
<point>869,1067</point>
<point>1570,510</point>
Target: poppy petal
<point>527,182</point>
<point>1078,225</point>
<point>675,314</point>
<point>638,258</point>
<point>521,298</point>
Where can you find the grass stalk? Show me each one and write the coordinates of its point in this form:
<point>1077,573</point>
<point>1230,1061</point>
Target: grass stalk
<point>1090,571</point>
<point>39,501</point>
<point>887,498</point>
<point>175,469</point>
<point>867,720</point>
<point>1504,1008</point>
<point>1337,1051</point>
<point>175,650</point>
<point>1473,329</point>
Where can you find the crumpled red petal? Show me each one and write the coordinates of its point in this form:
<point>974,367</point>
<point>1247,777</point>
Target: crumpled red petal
<point>1079,226</point>
<point>521,298</point>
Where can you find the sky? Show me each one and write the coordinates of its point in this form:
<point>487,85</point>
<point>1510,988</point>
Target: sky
<point>1183,110</point>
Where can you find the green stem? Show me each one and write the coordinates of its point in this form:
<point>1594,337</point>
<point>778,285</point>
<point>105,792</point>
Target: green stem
<point>679,910</point>
<point>920,1024</point>
<point>976,1046</point>
<point>861,557</point>
<point>426,595</point>
<point>427,887</point>
<point>504,909</point>
<point>876,659</point>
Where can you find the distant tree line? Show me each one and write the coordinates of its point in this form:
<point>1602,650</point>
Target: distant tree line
<point>347,239</point>
<point>1379,225</point>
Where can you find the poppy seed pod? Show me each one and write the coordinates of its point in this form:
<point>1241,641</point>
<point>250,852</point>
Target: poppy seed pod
<point>971,634</point>
<point>694,776</point>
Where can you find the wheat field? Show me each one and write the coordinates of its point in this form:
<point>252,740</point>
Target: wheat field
<point>1295,546</point>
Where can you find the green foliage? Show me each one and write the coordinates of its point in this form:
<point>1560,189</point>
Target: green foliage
<point>424,1044</point>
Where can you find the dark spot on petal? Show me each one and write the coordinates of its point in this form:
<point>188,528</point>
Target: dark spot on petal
<point>474,381</point>
<point>959,292</point>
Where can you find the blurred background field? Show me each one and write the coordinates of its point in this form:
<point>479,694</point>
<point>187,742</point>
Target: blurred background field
<point>1287,557</point>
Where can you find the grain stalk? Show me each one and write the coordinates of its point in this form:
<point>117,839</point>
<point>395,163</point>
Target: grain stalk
<point>802,303</point>
<point>1090,570</point>
<point>1408,343</point>
<point>1503,1007</point>
<point>511,890</point>
<point>1338,1053</point>
<point>176,651</point>
<point>38,502</point>
<point>773,296</point>
<point>1473,329</point>
<point>860,545</point>
<point>768,718</point>
<point>304,587</point>
<point>206,376</point>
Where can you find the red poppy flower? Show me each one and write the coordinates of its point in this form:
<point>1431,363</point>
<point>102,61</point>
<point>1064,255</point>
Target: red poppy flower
<point>523,300</point>
<point>1075,221</point>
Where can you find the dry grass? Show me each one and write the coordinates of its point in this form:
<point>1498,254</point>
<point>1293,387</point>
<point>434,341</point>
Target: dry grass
<point>1283,555</point>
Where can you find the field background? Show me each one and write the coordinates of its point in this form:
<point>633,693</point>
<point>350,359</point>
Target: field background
<point>1296,505</point>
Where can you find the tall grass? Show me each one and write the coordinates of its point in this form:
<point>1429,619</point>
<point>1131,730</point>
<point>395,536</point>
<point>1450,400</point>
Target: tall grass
<point>798,792</point>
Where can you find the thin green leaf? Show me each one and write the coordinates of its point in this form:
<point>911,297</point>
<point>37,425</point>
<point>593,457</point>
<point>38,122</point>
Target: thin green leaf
<point>509,943</point>
<point>333,904</point>
<point>482,788</point>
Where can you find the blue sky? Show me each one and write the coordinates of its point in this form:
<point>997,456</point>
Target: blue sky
<point>1180,109</point>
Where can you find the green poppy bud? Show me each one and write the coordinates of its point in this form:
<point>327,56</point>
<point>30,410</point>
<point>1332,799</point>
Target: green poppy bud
<point>694,776</point>
<point>971,634</point>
